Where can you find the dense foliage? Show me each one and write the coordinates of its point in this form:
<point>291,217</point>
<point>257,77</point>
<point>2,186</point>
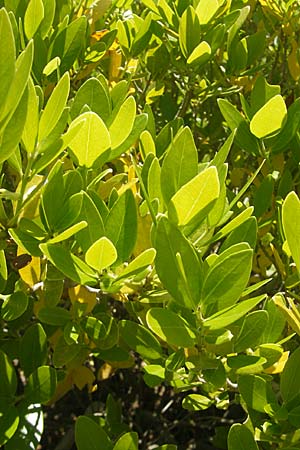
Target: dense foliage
<point>149,212</point>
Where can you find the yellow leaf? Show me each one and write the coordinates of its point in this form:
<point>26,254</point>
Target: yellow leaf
<point>83,376</point>
<point>115,63</point>
<point>81,294</point>
<point>291,314</point>
<point>62,388</point>
<point>31,273</point>
<point>143,241</point>
<point>105,372</point>
<point>279,365</point>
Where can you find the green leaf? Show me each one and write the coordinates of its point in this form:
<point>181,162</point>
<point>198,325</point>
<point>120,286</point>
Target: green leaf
<point>54,107</point>
<point>140,339</point>
<point>139,125</point>
<point>33,348</point>
<point>206,9</point>
<point>251,330</point>
<point>9,421</point>
<point>121,225</point>
<point>128,441</point>
<point>41,385</point>
<point>8,385</point>
<point>18,84</point>
<point>281,141</point>
<point>291,225</point>
<point>14,305</point>
<point>196,402</point>
<point>270,118</point>
<point>226,317</point>
<point>94,328</point>
<point>256,392</point>
<point>69,232</point>
<point>261,93</point>
<point>12,133</point>
<point>93,94</point>
<point>30,130</point>
<point>195,199</point>
<point>49,12</point>
<point>54,315</point>
<point>243,137</point>
<point>101,254</point>
<point>69,43</point>
<point>3,271</point>
<point>69,264</point>
<point>276,324</point>
<point>154,186</point>
<point>95,229</point>
<point>240,437</point>
<point>140,263</point>
<point>177,264</point>
<point>91,140</point>
<point>90,436</point>
<point>189,31</point>
<point>122,124</point>
<point>180,164</point>
<point>225,281</point>
<point>33,17</point>
<point>7,54</point>
<point>290,380</point>
<point>200,55</point>
<point>170,327</point>
<point>245,232</point>
<point>233,30</point>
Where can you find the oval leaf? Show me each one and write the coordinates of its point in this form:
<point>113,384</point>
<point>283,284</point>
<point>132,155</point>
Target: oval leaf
<point>101,254</point>
<point>170,327</point>
<point>91,140</point>
<point>270,118</point>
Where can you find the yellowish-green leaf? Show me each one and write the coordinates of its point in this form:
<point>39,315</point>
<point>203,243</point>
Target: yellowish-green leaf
<point>66,234</point>
<point>91,140</point>
<point>196,196</point>
<point>54,107</point>
<point>291,225</point>
<point>51,66</point>
<point>206,9</point>
<point>270,118</point>
<point>200,54</point>
<point>101,254</point>
<point>33,17</point>
<point>122,124</point>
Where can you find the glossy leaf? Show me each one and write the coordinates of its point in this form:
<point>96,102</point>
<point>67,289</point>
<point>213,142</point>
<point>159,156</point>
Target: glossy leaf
<point>241,437</point>
<point>122,124</point>
<point>121,225</point>
<point>7,54</point>
<point>54,107</point>
<point>14,305</point>
<point>170,327</point>
<point>223,318</point>
<point>41,384</point>
<point>290,380</point>
<point>140,339</point>
<point>33,17</point>
<point>291,225</point>
<point>180,164</point>
<point>101,254</point>
<point>33,348</point>
<point>128,441</point>
<point>9,421</point>
<point>194,199</point>
<point>270,118</point>
<point>225,281</point>
<point>251,330</point>
<point>91,140</point>
<point>93,94</point>
<point>90,436</point>
<point>177,264</point>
